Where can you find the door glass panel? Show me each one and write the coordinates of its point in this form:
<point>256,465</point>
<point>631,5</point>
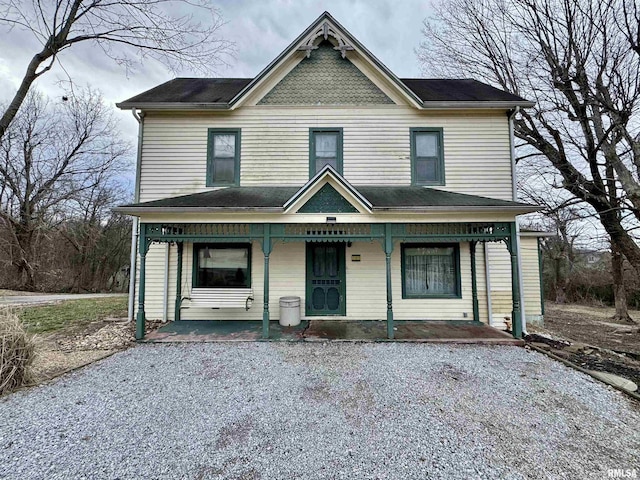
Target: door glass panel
<point>333,298</point>
<point>318,261</point>
<point>332,261</point>
<point>317,298</point>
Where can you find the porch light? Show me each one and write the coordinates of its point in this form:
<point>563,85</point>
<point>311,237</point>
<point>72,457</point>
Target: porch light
<point>331,219</point>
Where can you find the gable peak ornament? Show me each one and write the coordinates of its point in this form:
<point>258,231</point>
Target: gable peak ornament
<point>325,31</point>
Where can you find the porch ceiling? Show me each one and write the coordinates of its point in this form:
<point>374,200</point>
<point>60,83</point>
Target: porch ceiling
<point>272,199</point>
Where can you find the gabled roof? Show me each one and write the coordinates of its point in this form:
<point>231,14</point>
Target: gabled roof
<point>274,199</point>
<point>321,178</point>
<point>226,93</point>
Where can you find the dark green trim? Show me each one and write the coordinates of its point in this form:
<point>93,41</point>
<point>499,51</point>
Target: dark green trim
<point>342,265</point>
<point>312,148</point>
<point>388,250</point>
<point>143,248</point>
<point>474,282</point>
<point>440,177</point>
<point>179,281</point>
<point>456,260</point>
<point>215,245</point>
<point>267,246</point>
<point>540,273</point>
<point>327,200</point>
<point>236,169</point>
<point>516,314</point>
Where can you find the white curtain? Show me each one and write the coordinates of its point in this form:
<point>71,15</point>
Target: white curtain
<point>430,271</point>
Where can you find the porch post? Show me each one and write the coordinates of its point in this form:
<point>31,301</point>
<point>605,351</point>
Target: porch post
<point>541,275</point>
<point>388,250</point>
<point>516,314</point>
<point>176,316</point>
<point>142,248</point>
<point>266,248</point>
<point>474,282</point>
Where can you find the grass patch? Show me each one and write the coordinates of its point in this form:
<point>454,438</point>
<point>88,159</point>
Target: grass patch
<point>71,313</point>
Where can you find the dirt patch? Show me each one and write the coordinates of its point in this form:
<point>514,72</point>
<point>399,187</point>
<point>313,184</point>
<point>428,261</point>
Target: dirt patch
<point>74,347</point>
<point>591,325</point>
<point>588,337</point>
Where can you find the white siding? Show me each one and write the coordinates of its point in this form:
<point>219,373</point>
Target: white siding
<point>275,147</point>
<point>500,267</point>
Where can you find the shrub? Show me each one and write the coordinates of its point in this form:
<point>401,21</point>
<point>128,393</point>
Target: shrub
<point>16,352</point>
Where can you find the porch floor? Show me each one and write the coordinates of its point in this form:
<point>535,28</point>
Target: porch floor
<point>331,330</point>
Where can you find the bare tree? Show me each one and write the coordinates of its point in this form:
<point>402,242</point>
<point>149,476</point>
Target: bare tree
<point>51,156</point>
<point>579,61</point>
<point>122,29</point>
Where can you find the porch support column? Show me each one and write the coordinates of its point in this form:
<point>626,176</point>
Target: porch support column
<point>266,249</point>
<point>474,282</point>
<point>541,275</point>
<point>176,316</point>
<point>388,250</point>
<point>143,247</point>
<point>516,314</point>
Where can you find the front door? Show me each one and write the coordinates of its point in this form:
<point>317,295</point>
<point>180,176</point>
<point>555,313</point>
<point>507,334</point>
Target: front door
<point>325,279</point>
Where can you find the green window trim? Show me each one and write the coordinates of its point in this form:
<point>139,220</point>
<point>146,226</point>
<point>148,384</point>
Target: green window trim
<point>440,177</point>
<point>312,148</point>
<point>212,246</point>
<point>456,264</point>
<point>210,157</point>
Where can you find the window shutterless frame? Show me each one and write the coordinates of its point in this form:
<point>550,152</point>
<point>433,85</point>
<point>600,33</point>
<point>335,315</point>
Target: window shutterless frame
<point>218,246</point>
<point>439,159</point>
<point>211,157</point>
<point>312,148</point>
<point>456,266</point>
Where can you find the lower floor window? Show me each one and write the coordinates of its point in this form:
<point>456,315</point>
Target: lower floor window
<point>222,266</point>
<point>430,270</point>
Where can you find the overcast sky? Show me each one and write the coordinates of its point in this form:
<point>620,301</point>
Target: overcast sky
<point>261,29</point>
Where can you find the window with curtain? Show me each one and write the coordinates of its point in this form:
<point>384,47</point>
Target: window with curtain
<point>325,149</point>
<point>222,266</point>
<point>427,157</point>
<point>223,165</point>
<point>430,271</point>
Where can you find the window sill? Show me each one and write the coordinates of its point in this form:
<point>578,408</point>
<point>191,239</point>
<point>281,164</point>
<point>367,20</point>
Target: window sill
<point>431,297</point>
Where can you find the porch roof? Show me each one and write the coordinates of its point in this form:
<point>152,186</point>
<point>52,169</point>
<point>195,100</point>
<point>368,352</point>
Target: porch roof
<point>273,199</point>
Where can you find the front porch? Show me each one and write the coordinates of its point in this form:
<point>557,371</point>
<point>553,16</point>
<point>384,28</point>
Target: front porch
<point>389,236</point>
<point>331,330</point>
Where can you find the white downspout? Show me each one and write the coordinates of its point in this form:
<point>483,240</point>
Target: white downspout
<point>514,187</point>
<point>134,228</point>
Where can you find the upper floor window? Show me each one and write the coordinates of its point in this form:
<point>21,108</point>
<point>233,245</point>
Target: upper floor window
<point>223,157</point>
<point>325,148</point>
<point>427,156</point>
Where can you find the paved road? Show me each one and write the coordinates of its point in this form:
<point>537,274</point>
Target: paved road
<point>319,411</point>
<point>51,298</point>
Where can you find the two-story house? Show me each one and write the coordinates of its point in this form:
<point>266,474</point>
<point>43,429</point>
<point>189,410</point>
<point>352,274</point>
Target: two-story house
<point>327,177</point>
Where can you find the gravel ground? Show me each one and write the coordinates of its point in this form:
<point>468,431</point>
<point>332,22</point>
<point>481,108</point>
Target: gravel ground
<point>334,411</point>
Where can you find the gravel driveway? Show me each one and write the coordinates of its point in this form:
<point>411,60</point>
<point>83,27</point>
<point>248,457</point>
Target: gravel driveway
<point>301,410</point>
